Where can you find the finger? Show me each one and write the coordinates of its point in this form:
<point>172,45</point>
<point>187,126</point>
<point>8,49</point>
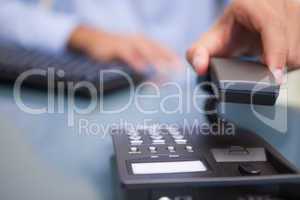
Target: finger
<point>169,58</point>
<point>213,43</point>
<point>144,49</point>
<point>165,55</point>
<point>132,58</point>
<point>148,53</point>
<point>275,49</point>
<point>271,28</point>
<point>160,57</point>
<point>198,56</point>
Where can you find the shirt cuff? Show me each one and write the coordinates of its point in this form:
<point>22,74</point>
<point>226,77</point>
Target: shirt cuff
<point>60,29</point>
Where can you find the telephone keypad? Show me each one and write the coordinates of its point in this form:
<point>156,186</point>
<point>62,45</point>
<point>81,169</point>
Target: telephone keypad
<point>155,141</point>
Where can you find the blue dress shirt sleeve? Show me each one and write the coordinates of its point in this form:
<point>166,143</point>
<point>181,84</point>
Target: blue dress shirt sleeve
<point>35,27</point>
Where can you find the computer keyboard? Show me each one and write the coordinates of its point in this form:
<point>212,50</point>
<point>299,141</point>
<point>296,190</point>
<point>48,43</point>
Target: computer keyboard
<point>15,60</point>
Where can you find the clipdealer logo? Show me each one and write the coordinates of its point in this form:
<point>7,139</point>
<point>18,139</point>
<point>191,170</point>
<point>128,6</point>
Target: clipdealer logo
<point>184,98</point>
<point>187,98</point>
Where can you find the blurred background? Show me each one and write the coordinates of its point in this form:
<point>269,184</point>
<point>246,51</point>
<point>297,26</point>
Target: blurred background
<point>41,157</point>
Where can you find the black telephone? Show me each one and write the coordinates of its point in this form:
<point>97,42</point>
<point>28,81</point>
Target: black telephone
<point>167,163</point>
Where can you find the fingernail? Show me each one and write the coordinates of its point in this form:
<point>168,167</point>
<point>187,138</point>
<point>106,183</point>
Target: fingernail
<point>278,74</point>
<point>197,62</point>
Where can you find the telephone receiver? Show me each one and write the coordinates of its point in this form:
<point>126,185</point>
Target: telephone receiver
<point>243,81</point>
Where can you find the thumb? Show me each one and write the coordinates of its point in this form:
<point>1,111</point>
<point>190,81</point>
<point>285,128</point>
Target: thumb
<point>212,43</point>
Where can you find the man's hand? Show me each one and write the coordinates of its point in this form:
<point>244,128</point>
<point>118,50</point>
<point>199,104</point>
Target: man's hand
<point>266,28</point>
<point>135,50</point>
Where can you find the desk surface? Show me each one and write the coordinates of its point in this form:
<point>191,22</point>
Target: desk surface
<point>43,158</point>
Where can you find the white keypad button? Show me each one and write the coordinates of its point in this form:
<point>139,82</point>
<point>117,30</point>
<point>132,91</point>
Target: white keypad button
<point>164,198</point>
<point>174,131</point>
<point>156,137</point>
<point>154,133</point>
<point>135,137</point>
<point>189,148</point>
<point>178,137</point>
<point>134,149</point>
<point>136,142</point>
<point>133,133</point>
<point>152,149</point>
<point>171,148</point>
<point>159,141</point>
<point>181,141</point>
